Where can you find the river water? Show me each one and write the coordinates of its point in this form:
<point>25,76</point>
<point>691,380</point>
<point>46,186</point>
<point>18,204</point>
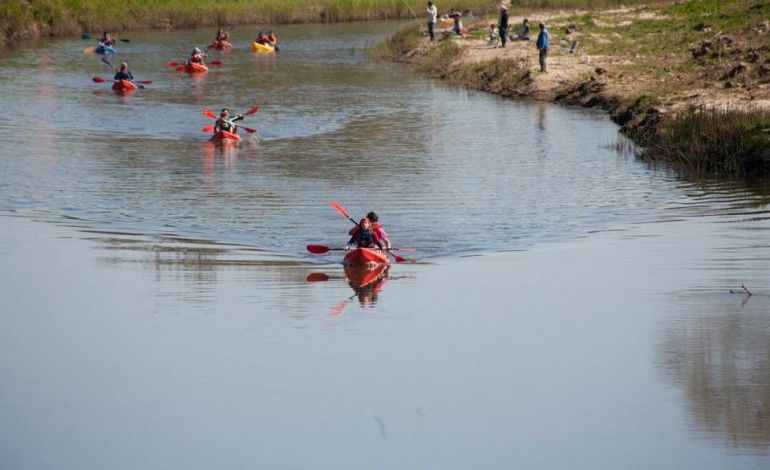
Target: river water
<point>563,305</point>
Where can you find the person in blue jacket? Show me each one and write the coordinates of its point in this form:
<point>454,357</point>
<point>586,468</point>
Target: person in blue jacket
<point>543,44</point>
<point>123,73</point>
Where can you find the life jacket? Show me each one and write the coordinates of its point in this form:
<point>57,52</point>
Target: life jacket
<point>366,239</point>
<point>124,76</point>
<point>225,125</point>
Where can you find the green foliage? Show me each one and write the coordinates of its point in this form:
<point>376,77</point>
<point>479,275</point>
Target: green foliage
<point>709,142</point>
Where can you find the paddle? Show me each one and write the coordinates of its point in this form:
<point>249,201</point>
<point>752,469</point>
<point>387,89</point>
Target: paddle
<point>102,80</point>
<point>88,36</point>
<point>211,128</point>
<point>176,64</point>
<point>321,249</point>
<point>399,259</point>
<point>211,115</point>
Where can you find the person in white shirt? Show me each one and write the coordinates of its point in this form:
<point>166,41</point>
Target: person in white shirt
<point>432,14</point>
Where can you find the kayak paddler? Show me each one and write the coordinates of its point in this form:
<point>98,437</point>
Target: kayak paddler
<point>224,123</point>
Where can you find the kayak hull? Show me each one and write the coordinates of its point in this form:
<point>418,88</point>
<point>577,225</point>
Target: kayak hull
<point>362,276</point>
<point>264,48</point>
<point>104,50</point>
<point>365,257</point>
<point>225,137</point>
<point>219,45</point>
<point>123,85</point>
<point>193,67</point>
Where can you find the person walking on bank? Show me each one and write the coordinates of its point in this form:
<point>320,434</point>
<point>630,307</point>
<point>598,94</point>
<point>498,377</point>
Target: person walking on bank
<point>543,44</point>
<point>432,14</point>
<point>503,24</point>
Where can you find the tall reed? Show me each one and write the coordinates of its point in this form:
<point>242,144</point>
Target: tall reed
<point>705,142</point>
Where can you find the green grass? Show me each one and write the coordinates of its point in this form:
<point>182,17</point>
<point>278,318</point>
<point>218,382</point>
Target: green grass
<point>713,142</point>
<point>67,17</point>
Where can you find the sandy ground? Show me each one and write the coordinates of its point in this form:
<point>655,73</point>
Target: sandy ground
<point>739,80</point>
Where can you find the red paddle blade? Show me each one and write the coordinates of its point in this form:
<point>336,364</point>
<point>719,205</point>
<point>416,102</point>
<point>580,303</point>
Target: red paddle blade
<point>172,64</point>
<point>252,110</point>
<point>339,209</point>
<point>145,82</point>
<point>318,249</point>
<point>208,128</point>
<point>399,259</point>
<point>209,114</point>
<point>216,62</point>
<point>317,277</point>
<point>249,130</point>
<point>180,68</point>
<point>98,79</point>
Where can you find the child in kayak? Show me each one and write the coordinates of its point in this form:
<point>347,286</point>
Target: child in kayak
<point>224,123</point>
<point>106,40</point>
<point>123,73</point>
<point>262,39</point>
<point>364,236</point>
<point>271,38</point>
<point>196,57</point>
<point>222,35</point>
<point>380,232</point>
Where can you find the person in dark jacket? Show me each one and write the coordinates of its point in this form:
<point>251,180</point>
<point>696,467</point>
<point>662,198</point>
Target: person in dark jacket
<point>503,25</point>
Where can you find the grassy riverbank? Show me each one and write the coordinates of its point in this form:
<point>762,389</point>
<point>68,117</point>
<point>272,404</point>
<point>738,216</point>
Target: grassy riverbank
<point>21,19</point>
<point>687,80</point>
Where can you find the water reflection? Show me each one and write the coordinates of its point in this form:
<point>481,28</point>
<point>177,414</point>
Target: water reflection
<point>366,281</point>
<point>718,353</point>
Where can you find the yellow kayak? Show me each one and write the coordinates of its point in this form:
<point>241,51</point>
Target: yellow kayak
<point>257,47</point>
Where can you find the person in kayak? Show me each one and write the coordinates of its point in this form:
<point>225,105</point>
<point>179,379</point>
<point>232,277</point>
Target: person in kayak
<point>222,35</point>
<point>271,37</point>
<point>382,235</point>
<point>224,123</point>
<point>196,56</point>
<point>106,40</point>
<point>364,236</point>
<point>123,73</point>
<point>262,39</point>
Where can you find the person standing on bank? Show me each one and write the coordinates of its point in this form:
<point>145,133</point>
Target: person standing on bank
<point>503,24</point>
<point>543,44</point>
<point>432,14</point>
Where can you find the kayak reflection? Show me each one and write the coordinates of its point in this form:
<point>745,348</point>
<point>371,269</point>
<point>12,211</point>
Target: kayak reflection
<point>366,282</point>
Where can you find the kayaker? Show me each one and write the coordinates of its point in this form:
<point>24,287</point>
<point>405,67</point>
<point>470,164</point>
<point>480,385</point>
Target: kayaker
<point>364,237</point>
<point>262,39</point>
<point>224,123</point>
<point>271,37</point>
<point>123,73</point>
<point>106,40</point>
<point>380,232</point>
<point>196,56</point>
<point>222,35</point>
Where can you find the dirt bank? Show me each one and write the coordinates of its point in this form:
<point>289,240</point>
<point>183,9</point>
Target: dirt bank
<point>637,85</point>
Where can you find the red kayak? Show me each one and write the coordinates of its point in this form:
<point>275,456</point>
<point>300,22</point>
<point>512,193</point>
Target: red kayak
<point>123,85</point>
<point>365,257</point>
<point>362,276</point>
<point>219,45</point>
<point>194,67</point>
<point>225,137</point>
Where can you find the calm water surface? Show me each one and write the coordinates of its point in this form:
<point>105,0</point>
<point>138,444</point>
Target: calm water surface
<point>566,307</point>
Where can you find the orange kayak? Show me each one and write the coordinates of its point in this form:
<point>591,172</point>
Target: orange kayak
<point>225,137</point>
<point>365,257</point>
<point>123,85</point>
<point>194,67</point>
<point>362,276</point>
<point>219,45</point>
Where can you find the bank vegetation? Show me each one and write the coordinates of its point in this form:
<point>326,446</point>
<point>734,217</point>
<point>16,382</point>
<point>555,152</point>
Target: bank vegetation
<point>22,19</point>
